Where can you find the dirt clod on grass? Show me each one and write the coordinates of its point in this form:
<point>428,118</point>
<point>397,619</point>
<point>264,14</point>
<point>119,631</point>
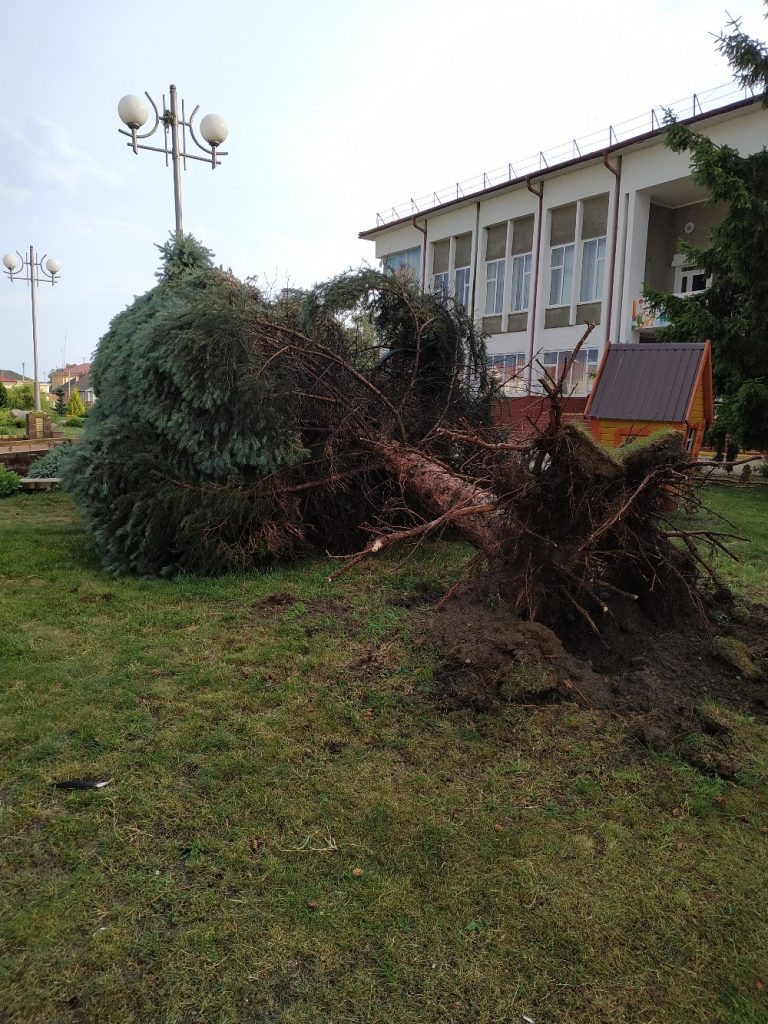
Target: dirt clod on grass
<point>655,678</point>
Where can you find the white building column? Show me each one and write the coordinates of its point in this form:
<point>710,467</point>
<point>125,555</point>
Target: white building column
<point>618,327</point>
<point>634,261</point>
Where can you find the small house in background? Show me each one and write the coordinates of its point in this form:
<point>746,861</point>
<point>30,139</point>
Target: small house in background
<point>71,372</point>
<point>640,389</point>
<point>84,386</point>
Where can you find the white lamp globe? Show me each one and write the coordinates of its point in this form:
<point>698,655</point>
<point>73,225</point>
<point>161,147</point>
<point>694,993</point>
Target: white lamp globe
<point>52,266</point>
<point>213,129</point>
<point>11,261</point>
<point>132,111</point>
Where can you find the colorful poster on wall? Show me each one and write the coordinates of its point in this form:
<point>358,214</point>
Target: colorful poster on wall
<point>645,319</point>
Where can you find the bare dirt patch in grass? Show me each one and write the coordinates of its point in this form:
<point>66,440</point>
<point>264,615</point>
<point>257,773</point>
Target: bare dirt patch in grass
<point>653,677</point>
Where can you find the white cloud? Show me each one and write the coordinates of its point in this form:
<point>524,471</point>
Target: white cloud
<point>14,194</point>
<point>84,225</point>
<point>52,158</point>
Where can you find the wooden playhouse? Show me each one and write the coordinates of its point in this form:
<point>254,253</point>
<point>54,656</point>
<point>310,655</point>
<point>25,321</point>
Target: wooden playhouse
<point>640,389</point>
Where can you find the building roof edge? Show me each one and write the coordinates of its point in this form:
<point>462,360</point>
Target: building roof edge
<point>370,233</point>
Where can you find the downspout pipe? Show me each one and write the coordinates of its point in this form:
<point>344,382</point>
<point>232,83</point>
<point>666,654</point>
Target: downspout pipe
<point>616,172</point>
<point>535,275</point>
<point>475,251</point>
<point>424,255</point>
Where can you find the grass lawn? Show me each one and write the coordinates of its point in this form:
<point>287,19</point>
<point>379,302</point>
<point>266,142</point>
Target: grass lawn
<point>747,507</point>
<point>60,425</point>
<point>293,833</point>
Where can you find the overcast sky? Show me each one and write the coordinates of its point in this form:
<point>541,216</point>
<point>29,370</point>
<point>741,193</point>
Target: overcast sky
<point>336,109</point>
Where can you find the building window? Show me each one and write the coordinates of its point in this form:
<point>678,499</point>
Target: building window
<point>462,287</point>
<point>561,275</point>
<point>508,371</point>
<point>581,374</point>
<point>690,280</point>
<point>440,286</point>
<point>494,287</point>
<point>521,281</point>
<point>405,264</point>
<point>592,270</point>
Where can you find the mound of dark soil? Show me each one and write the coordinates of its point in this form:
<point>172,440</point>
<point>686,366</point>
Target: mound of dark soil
<point>654,677</point>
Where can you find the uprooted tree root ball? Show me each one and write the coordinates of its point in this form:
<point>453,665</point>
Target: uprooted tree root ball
<point>565,529</point>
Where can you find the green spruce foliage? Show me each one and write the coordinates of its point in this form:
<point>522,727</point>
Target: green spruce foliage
<point>4,400</point>
<point>733,312</point>
<point>182,426</point>
<point>60,406</point>
<point>234,430</point>
<point>51,464</point>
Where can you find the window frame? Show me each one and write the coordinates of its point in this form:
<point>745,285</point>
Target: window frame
<point>443,290</point>
<point>405,270</point>
<point>563,300</point>
<point>686,271</point>
<point>521,282</point>
<point>555,359</point>
<point>497,281</point>
<point>598,274</point>
<point>514,363</point>
<point>462,300</point>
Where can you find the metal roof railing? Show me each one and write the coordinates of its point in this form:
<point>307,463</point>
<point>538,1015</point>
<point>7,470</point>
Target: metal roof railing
<point>586,145</point>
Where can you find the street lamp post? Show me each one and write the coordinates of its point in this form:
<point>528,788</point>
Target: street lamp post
<point>15,264</point>
<point>133,112</point>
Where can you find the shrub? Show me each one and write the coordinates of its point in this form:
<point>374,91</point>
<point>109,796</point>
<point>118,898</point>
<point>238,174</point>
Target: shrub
<point>22,396</point>
<point>61,406</point>
<point>75,421</point>
<point>75,405</point>
<point>4,399</point>
<point>763,470</point>
<point>10,482</point>
<point>50,464</point>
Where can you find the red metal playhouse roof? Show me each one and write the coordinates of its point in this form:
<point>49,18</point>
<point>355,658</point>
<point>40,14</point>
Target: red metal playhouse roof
<point>651,381</point>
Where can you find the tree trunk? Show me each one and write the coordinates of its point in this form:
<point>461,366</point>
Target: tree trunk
<point>444,493</point>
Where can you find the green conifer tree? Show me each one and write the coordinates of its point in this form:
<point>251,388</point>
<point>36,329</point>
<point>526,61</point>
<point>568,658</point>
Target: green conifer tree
<point>75,405</point>
<point>231,430</point>
<point>4,402</point>
<point>733,312</point>
<point>60,406</point>
<point>183,426</point>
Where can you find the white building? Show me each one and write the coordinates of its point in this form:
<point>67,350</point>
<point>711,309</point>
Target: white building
<point>571,240</point>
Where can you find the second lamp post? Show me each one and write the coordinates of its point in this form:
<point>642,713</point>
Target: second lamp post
<point>15,264</point>
<point>134,113</point>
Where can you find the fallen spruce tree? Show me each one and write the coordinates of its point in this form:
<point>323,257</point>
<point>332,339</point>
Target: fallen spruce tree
<point>233,430</point>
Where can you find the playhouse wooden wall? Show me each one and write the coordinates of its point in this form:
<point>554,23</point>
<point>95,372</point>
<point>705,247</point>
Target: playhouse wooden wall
<point>613,433</point>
